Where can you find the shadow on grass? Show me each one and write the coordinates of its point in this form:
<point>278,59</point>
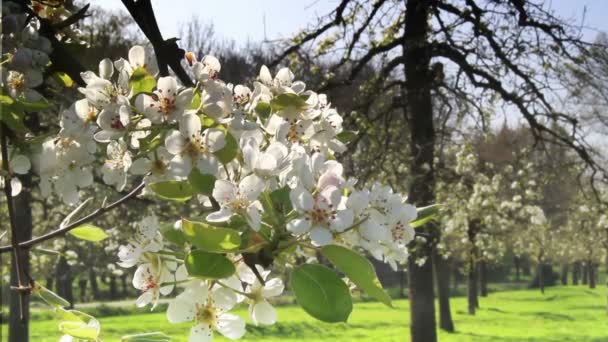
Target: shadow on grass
<point>551,316</point>
<point>497,310</point>
<point>312,329</point>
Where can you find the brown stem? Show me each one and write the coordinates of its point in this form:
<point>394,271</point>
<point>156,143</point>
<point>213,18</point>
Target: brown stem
<point>21,287</point>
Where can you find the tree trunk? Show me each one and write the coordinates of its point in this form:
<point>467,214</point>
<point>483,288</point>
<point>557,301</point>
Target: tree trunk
<point>517,264</point>
<point>526,267</point>
<point>123,282</point>
<point>541,277</point>
<point>592,278</point>
<point>402,283</point>
<point>64,280</point>
<point>113,288</point>
<point>483,278</point>
<point>564,275</point>
<point>442,275</point>
<point>576,272</point>
<point>418,108</point>
<point>455,275</point>
<point>472,286</point>
<point>585,274</point>
<point>82,285</point>
<point>49,282</point>
<point>18,331</point>
<point>93,281</point>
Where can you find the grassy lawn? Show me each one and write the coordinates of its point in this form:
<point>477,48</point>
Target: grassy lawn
<point>562,314</point>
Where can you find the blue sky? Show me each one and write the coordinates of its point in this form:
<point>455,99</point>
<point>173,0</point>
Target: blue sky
<point>243,19</point>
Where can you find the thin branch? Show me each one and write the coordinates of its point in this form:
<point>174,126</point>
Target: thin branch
<point>91,216</point>
<point>21,288</point>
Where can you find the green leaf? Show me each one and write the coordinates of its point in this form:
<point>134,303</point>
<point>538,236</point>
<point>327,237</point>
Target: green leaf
<point>425,214</point>
<point>12,116</point>
<point>34,106</point>
<point>64,79</point>
<point>211,239</point>
<point>281,200</point>
<point>80,329</point>
<point>209,265</point>
<point>346,136</point>
<point>173,235</point>
<point>141,81</point>
<point>202,183</point>
<point>50,297</point>
<point>173,190</point>
<point>152,141</point>
<point>321,293</point>
<point>196,101</point>
<point>288,100</point>
<point>146,337</point>
<point>78,324</point>
<point>89,232</point>
<point>6,100</point>
<point>358,269</point>
<point>229,152</point>
<point>263,109</point>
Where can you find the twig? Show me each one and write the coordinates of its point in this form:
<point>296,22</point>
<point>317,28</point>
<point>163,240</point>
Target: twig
<point>21,288</point>
<point>77,223</point>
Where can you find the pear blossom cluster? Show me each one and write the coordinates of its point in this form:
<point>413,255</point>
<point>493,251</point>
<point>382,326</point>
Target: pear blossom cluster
<point>264,156</point>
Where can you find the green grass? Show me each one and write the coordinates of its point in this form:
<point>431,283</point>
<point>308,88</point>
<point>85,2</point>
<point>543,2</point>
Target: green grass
<point>562,314</point>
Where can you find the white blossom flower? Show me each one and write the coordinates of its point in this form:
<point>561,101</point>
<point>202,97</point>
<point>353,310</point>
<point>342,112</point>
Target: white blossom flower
<point>146,239</point>
<point>167,104</point>
<point>192,147</point>
<point>208,310</point>
<point>260,310</point>
<point>241,199</point>
<point>18,164</point>
<point>117,164</point>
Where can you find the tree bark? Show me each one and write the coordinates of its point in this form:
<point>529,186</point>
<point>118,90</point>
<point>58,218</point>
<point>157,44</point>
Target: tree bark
<point>592,278</point>
<point>442,275</point>
<point>585,279</point>
<point>564,274</point>
<point>49,282</point>
<point>576,272</point>
<point>526,267</point>
<point>472,286</point>
<point>123,282</point>
<point>419,112</point>
<point>483,278</point>
<point>402,283</point>
<point>64,280</point>
<point>517,264</point>
<point>93,281</point>
<point>18,331</point>
<point>541,277</point>
<point>113,288</point>
<point>82,285</point>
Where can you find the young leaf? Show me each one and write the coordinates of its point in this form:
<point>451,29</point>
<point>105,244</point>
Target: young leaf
<point>229,152</point>
<point>263,110</point>
<point>173,190</point>
<point>141,81</point>
<point>425,214</point>
<point>50,297</point>
<point>288,100</point>
<point>89,331</point>
<point>321,293</point>
<point>202,183</point>
<point>173,235</point>
<point>211,239</point>
<point>89,232</point>
<point>358,269</point>
<point>346,136</point>
<point>209,265</point>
